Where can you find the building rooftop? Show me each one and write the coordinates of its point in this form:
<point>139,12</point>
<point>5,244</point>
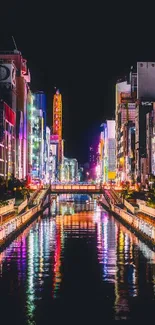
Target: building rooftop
<point>10,52</point>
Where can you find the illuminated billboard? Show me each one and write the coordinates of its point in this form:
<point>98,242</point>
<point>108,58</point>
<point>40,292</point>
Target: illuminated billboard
<point>57,114</point>
<point>54,137</point>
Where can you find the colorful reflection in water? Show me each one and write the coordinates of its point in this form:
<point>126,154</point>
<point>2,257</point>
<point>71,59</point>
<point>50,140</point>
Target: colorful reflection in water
<point>78,256</point>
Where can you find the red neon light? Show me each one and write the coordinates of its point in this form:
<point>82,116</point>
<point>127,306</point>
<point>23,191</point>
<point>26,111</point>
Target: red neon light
<point>10,115</point>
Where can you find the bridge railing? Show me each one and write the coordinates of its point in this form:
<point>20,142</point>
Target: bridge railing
<point>75,187</point>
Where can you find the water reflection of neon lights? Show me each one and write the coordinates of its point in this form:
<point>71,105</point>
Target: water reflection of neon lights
<point>30,278</point>
<point>57,261</point>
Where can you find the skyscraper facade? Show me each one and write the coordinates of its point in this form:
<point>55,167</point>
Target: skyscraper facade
<point>144,106</point>
<point>40,105</point>
<point>7,141</point>
<point>14,86</point>
<point>107,152</point>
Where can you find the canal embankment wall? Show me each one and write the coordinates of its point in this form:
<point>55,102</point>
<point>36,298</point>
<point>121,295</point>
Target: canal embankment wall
<point>12,227</point>
<point>141,227</point>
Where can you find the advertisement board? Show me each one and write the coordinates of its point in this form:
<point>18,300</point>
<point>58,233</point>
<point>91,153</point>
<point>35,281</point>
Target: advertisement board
<point>10,115</point>
<point>111,175</point>
<point>54,137</point>
<point>8,74</point>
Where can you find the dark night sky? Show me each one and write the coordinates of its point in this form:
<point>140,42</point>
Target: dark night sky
<point>82,49</point>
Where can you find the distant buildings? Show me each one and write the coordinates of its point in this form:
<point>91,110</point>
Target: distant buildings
<point>70,170</point>
<point>93,161</point>
<point>107,161</point>
<point>30,150</point>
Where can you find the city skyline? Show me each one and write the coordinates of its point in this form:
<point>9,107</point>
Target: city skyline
<point>90,133</point>
<point>33,149</point>
<point>77,163</point>
<point>82,59</point>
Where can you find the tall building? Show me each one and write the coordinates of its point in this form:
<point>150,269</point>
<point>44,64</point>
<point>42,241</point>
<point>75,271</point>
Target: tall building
<point>101,154</point>
<point>54,167</point>
<point>130,151</point>
<point>7,141</point>
<point>145,99</point>
<point>93,161</point>
<point>124,117</point>
<point>14,87</point>
<point>107,152</point>
<point>134,113</point>
<point>7,117</point>
<point>70,170</point>
<point>47,155</point>
<point>37,118</point>
<point>40,104</point>
<point>152,155</point>
<point>30,110</point>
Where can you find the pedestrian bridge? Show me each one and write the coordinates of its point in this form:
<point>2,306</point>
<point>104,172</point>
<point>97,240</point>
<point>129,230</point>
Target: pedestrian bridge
<point>79,188</point>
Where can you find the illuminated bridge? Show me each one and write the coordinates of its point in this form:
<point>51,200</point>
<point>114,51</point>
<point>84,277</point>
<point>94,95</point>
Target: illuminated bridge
<point>78,188</point>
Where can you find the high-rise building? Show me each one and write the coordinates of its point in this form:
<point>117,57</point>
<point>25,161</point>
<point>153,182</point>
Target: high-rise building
<point>8,104</point>
<point>54,167</point>
<point>152,155</point>
<point>30,110</point>
<point>69,172</point>
<point>130,151</point>
<point>7,141</point>
<point>40,104</point>
<point>107,152</point>
<point>124,117</point>
<point>37,142</point>
<point>14,80</point>
<point>47,155</point>
<point>134,122</point>
<point>93,161</point>
<point>145,99</point>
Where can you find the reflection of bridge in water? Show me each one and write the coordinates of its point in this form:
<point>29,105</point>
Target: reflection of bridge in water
<point>76,188</point>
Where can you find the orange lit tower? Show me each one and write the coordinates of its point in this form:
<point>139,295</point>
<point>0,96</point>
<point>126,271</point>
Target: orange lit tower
<point>57,114</point>
<point>57,121</point>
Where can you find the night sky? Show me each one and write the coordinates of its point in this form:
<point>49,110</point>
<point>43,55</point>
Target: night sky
<point>82,49</point>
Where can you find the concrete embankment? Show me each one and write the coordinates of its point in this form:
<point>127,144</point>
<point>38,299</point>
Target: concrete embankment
<point>12,227</point>
<point>144,230</point>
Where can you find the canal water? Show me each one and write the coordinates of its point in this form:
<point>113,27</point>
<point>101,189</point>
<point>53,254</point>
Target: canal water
<point>77,264</point>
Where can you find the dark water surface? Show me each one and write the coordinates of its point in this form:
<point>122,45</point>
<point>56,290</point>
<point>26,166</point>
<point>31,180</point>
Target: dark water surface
<point>73,268</point>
